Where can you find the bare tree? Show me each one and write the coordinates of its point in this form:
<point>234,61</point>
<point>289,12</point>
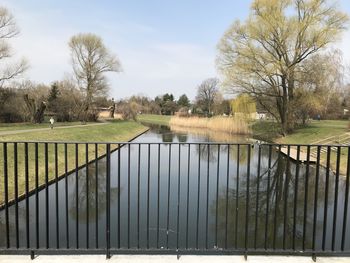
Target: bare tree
<point>91,59</point>
<point>8,30</point>
<point>206,94</point>
<point>34,96</point>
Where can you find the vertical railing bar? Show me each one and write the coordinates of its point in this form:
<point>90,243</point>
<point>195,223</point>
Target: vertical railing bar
<point>325,215</point>
<point>307,169</point>
<point>96,195</point>
<point>336,197</point>
<point>168,207</point>
<point>26,172</point>
<point>158,194</point>
<point>15,160</point>
<point>296,196</point>
<point>227,189</point>
<point>108,199</point>
<point>247,202</point>
<point>36,154</point>
<point>148,189</point>
<point>268,196</point>
<point>345,216</point>
<point>217,197</point>
<point>138,195</point>
<point>47,194</point>
<point>77,194</point>
<point>198,193</point>
<point>178,198</point>
<point>188,191</point>
<point>87,192</point>
<point>56,197</point>
<point>129,214</point>
<point>276,202</point>
<point>285,210</point>
<point>237,196</point>
<point>207,201</point>
<point>66,191</point>
<point>257,197</point>
<point>315,198</point>
<point>6,196</point>
<point>119,187</point>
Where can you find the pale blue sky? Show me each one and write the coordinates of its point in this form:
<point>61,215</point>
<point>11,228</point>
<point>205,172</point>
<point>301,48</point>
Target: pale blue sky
<point>164,46</point>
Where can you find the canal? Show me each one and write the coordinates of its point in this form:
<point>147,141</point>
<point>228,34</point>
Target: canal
<point>198,201</point>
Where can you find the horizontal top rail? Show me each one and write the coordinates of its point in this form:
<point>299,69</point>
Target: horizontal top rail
<point>182,143</point>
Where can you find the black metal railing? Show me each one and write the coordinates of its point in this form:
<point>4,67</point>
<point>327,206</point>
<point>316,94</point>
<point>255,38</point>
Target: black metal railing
<point>174,198</point>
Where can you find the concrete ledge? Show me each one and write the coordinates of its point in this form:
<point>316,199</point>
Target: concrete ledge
<point>168,259</point>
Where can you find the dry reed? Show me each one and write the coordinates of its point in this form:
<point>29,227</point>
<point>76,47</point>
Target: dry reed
<point>222,124</point>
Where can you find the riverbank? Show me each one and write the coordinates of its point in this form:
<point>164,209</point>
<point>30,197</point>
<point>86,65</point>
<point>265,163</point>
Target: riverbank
<point>325,132</point>
<point>115,131</point>
<point>154,119</point>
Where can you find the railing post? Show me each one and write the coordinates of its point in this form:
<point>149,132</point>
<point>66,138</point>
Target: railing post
<point>119,145</point>
<point>346,201</point>
<point>247,206</point>
<point>6,196</point>
<point>108,205</point>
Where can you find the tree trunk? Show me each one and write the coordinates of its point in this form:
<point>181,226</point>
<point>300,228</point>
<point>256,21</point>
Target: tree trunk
<point>39,114</point>
<point>36,114</point>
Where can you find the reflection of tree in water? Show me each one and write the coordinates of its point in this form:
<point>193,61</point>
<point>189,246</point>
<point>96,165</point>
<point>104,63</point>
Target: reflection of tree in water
<point>12,225</point>
<point>212,150</point>
<point>168,137</point>
<point>182,137</point>
<point>240,152</point>
<point>281,189</point>
<point>97,192</point>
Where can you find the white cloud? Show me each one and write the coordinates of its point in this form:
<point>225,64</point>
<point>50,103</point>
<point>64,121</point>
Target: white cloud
<point>151,66</point>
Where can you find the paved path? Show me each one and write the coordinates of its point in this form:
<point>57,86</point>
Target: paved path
<point>169,259</point>
<point>47,129</point>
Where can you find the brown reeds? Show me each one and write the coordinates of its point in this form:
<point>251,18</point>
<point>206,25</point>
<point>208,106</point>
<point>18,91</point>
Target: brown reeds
<point>230,125</point>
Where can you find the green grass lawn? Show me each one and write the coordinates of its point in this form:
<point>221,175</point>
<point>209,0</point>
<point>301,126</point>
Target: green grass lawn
<point>316,131</point>
<point>116,131</point>
<point>154,119</point>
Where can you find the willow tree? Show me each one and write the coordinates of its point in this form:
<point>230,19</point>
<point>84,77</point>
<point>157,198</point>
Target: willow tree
<point>262,55</point>
<point>91,60</point>
<point>243,105</point>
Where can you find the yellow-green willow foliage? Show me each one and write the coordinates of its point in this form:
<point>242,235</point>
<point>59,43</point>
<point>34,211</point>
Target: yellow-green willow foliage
<point>244,106</point>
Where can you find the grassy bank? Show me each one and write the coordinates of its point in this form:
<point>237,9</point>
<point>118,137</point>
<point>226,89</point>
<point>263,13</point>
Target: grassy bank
<point>323,132</point>
<point>117,131</point>
<point>317,131</point>
<point>267,131</point>
<point>220,124</point>
<point>154,119</point>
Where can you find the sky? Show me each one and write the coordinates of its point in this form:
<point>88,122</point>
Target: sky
<point>164,46</point>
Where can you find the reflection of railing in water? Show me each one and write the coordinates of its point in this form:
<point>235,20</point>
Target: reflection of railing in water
<point>190,198</point>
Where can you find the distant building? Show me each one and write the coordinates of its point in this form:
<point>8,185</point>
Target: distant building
<point>261,115</point>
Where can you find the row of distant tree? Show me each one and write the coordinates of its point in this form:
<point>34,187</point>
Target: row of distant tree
<point>208,101</point>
